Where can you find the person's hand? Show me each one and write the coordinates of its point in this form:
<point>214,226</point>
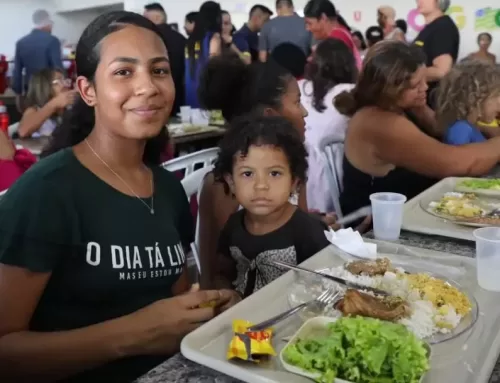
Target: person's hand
<point>64,99</point>
<point>7,149</point>
<point>234,298</point>
<point>164,323</point>
<point>364,226</point>
<point>330,219</point>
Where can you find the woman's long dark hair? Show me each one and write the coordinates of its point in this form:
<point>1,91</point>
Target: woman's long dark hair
<point>79,120</point>
<point>208,19</point>
<point>333,64</point>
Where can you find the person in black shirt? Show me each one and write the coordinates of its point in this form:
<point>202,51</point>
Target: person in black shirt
<point>440,40</point>
<point>258,16</point>
<point>94,284</point>
<point>262,162</point>
<point>176,44</point>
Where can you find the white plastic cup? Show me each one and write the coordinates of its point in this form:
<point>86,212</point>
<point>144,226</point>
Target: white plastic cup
<point>387,210</point>
<point>200,117</point>
<point>186,114</point>
<point>488,257</point>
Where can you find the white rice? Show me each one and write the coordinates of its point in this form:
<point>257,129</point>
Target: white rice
<point>424,318</point>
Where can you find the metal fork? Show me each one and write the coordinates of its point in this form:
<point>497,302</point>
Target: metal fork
<point>325,298</point>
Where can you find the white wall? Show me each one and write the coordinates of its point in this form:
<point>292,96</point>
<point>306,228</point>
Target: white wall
<point>360,14</point>
<point>16,22</point>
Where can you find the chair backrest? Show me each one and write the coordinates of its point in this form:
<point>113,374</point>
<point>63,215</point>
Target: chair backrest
<point>192,182</point>
<point>333,150</point>
<point>192,185</point>
<point>191,162</point>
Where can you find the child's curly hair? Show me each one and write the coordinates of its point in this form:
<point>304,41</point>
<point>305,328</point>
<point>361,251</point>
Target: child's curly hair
<point>259,130</point>
<point>464,90</point>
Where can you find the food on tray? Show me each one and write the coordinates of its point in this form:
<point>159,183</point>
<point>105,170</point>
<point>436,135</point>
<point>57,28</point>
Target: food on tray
<point>479,184</point>
<point>216,118</point>
<point>426,305</point>
<point>363,350</point>
<point>454,204</point>
<point>378,267</point>
<point>466,208</point>
<point>249,346</point>
<point>387,308</point>
<point>439,292</point>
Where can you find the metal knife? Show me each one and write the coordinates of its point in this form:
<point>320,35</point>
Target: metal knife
<point>341,281</point>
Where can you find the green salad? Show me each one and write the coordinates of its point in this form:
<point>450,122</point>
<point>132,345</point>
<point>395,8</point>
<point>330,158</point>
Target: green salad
<point>362,350</point>
<point>485,183</point>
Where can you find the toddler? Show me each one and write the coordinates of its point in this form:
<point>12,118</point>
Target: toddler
<point>262,162</point>
<point>468,103</point>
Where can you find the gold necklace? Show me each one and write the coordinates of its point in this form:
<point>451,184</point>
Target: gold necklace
<point>150,208</point>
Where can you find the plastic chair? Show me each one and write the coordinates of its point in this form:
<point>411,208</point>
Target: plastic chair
<point>201,161</point>
<point>333,150</point>
<point>12,129</point>
<point>2,193</point>
<point>189,162</point>
<point>192,185</point>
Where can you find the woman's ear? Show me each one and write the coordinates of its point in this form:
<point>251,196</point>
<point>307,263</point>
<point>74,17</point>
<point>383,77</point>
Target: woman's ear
<point>86,90</point>
<point>270,112</point>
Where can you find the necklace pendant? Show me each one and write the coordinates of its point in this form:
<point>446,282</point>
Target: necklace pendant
<point>152,211</point>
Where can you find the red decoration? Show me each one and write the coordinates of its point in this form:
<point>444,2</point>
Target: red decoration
<point>4,67</point>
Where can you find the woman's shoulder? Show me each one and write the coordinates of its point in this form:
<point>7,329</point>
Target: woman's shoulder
<point>367,115</point>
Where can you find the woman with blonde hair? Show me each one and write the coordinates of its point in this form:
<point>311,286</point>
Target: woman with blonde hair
<point>47,98</point>
<point>389,145</point>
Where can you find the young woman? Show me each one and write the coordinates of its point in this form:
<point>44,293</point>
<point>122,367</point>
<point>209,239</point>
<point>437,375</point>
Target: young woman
<point>48,97</point>
<point>231,42</point>
<point>332,71</point>
<point>203,43</point>
<point>93,282</point>
<point>484,41</point>
<point>393,154</point>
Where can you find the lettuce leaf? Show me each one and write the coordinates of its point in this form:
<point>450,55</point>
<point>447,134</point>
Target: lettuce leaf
<point>362,350</point>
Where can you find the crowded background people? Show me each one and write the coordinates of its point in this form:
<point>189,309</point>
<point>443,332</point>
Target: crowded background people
<point>107,260</point>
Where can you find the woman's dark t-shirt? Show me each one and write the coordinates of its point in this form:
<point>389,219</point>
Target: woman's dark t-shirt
<point>107,254</point>
<point>439,37</point>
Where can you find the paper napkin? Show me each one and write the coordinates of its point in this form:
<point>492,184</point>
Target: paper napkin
<point>351,242</point>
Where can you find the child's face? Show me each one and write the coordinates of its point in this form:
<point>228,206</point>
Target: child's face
<point>262,181</point>
<point>491,108</point>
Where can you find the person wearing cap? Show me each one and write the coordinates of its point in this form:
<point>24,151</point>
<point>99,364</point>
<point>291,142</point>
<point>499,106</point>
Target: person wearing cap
<point>386,18</point>
<point>36,51</point>
<point>439,40</point>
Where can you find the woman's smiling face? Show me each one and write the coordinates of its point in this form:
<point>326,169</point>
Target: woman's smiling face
<point>133,91</point>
